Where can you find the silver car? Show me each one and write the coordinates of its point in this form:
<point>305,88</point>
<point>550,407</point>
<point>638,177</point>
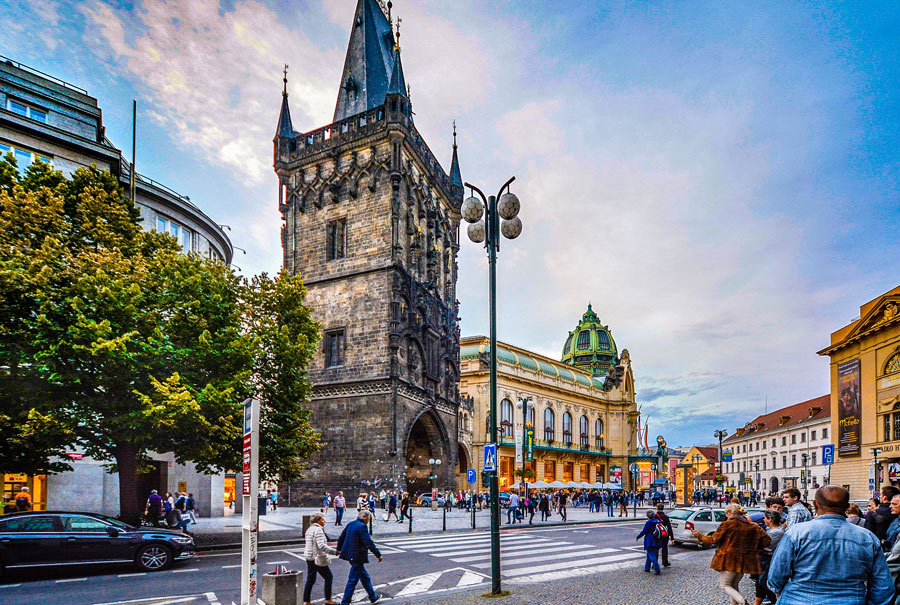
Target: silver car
<point>696,518</point>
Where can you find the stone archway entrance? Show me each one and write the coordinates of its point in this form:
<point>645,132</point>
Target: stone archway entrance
<point>462,466</point>
<point>425,442</point>
<point>774,489</point>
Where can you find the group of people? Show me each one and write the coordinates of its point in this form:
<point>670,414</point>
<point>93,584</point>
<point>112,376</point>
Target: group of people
<point>176,510</point>
<point>794,557</point>
<point>391,503</point>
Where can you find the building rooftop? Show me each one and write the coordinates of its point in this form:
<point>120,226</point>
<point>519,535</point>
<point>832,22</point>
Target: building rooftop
<point>813,410</point>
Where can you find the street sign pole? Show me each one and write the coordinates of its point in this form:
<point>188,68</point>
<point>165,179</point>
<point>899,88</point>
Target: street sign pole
<point>250,521</point>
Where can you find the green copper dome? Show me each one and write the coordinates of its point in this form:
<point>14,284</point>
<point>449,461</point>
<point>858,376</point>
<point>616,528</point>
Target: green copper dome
<point>590,346</point>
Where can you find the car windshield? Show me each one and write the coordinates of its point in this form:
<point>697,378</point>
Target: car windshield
<point>680,513</point>
<point>113,521</point>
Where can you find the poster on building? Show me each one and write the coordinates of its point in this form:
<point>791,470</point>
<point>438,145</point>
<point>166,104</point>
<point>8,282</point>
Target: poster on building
<point>615,475</point>
<point>849,409</point>
<point>894,471</point>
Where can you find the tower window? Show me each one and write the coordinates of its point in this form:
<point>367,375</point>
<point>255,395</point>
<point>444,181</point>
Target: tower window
<point>603,338</point>
<point>584,340</point>
<point>334,348</point>
<point>336,236</point>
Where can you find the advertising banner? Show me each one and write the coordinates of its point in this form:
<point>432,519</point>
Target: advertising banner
<point>529,445</point>
<point>615,475</point>
<point>849,409</point>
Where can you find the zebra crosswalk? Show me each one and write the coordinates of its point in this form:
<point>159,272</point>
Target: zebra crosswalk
<point>526,557</point>
<point>431,583</point>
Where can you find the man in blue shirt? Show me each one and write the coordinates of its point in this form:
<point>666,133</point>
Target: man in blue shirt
<point>513,510</point>
<point>354,546</point>
<point>797,512</point>
<point>828,561</point>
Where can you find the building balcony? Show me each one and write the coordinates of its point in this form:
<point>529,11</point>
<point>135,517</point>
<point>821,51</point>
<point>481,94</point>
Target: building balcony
<point>559,446</point>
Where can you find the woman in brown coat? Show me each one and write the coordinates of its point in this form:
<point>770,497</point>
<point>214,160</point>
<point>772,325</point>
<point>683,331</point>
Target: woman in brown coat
<point>740,541</point>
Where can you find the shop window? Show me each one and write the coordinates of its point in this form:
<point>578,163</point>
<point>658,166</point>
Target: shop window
<point>585,472</point>
<point>568,472</point>
<point>549,471</point>
<point>506,471</point>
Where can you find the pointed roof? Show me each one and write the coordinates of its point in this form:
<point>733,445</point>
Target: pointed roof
<point>455,176</point>
<point>369,62</point>
<point>285,128</point>
<point>398,82</point>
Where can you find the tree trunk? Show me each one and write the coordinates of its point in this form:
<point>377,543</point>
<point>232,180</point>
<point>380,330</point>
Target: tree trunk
<point>126,461</point>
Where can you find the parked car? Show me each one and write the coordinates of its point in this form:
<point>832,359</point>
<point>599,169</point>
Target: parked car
<point>425,500</point>
<point>59,538</point>
<point>698,518</point>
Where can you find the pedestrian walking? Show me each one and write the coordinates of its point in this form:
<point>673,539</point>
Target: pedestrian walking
<point>796,511</point>
<point>23,500</point>
<point>274,498</point>
<point>392,507</point>
<point>530,505</point>
<point>326,502</point>
<point>740,541</point>
<point>404,507</point>
<point>513,510</point>
<point>664,544</point>
<point>878,520</point>
<point>563,501</point>
<point>153,508</point>
<point>354,546</point>
<point>827,560</point>
<point>610,504</point>
<point>362,501</point>
<point>382,497</point>
<point>544,506</point>
<point>191,506</point>
<point>653,533</point>
<point>623,504</point>
<point>772,519</point>
<point>316,553</point>
<point>340,503</point>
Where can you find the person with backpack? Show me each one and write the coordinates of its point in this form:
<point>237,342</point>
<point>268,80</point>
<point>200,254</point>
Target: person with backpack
<point>654,533</point>
<point>664,519</point>
<point>23,500</point>
<point>191,505</point>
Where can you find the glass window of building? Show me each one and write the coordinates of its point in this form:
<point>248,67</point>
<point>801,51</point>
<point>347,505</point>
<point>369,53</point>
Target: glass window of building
<point>802,437</point>
<point>38,115</point>
<point>598,432</point>
<point>531,417</point>
<point>567,428</point>
<point>784,440</point>
<point>336,236</point>
<point>585,472</point>
<point>506,471</point>
<point>893,364</point>
<point>774,465</point>
<point>506,418</point>
<point>334,348</point>
<point>896,426</point>
<point>549,425</point>
<point>813,458</point>
<point>784,462</point>
<point>549,471</point>
<point>793,438</point>
<point>812,436</point>
<point>583,431</point>
<point>568,471</point>
<point>824,433</point>
<point>793,460</point>
<point>584,340</point>
<point>24,158</point>
<point>764,463</point>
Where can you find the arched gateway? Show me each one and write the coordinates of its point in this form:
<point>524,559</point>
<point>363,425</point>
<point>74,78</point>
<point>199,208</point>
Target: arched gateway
<point>427,441</point>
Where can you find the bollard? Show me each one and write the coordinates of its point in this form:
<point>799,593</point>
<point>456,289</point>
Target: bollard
<point>473,515</point>
<point>409,514</point>
<point>445,519</point>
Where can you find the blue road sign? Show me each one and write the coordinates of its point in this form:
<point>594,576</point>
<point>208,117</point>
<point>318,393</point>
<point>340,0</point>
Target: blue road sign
<point>726,456</point>
<point>470,475</point>
<point>828,454</point>
<point>490,457</point>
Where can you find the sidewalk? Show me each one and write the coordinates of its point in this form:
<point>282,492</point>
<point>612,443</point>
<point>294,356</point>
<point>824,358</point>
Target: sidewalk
<point>285,524</point>
<point>689,580</point>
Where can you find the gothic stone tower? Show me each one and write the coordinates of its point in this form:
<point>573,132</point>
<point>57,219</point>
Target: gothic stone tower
<point>371,222</point>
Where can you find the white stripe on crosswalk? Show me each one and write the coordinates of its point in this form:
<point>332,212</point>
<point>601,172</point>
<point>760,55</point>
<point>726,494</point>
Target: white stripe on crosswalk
<point>419,585</point>
<point>568,564</point>
<point>469,579</point>
<point>456,546</point>
<point>511,551</point>
<point>585,552</point>
<point>453,541</point>
<point>485,550</point>
<point>465,538</point>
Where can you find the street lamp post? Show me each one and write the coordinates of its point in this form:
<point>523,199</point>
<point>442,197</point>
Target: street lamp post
<point>875,451</point>
<point>757,475</point>
<point>721,434</point>
<point>489,230</point>
<point>696,464</point>
<point>435,463</point>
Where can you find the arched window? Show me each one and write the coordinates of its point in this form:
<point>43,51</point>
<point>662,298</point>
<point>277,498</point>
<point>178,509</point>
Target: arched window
<point>583,431</point>
<point>893,364</point>
<point>568,345</point>
<point>506,418</point>
<point>584,340</point>
<point>598,433</point>
<point>603,340</point>
<point>549,424</point>
<point>567,428</point>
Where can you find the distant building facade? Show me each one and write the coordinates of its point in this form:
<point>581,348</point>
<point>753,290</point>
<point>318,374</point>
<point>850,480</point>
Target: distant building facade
<point>43,118</point>
<point>583,423</point>
<point>781,449</point>
<point>865,397</point>
<point>371,222</point>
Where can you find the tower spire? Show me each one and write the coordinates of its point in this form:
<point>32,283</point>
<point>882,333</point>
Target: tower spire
<point>455,174</point>
<point>285,128</point>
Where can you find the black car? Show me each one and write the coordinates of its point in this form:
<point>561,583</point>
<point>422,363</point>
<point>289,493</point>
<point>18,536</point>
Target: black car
<point>54,538</point>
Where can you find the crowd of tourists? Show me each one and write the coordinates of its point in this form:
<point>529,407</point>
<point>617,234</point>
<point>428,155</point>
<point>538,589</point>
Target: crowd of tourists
<point>799,554</point>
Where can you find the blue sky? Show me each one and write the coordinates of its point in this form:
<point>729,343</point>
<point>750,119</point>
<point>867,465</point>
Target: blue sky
<point>721,183</point>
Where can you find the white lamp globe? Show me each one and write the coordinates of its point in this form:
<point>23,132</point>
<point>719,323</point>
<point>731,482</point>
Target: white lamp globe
<point>431,461</point>
<point>508,206</point>
<point>476,232</point>
<point>472,210</point>
<point>512,228</point>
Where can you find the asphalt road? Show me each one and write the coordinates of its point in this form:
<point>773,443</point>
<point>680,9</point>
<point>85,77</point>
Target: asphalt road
<point>413,567</point>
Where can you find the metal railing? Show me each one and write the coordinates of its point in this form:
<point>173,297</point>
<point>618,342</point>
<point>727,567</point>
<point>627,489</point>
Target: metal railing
<point>38,72</point>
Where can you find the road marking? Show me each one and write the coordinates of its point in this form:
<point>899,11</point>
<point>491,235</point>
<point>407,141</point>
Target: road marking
<point>211,597</point>
<point>231,566</point>
<point>419,585</point>
<point>542,557</point>
<point>275,562</point>
<point>457,558</point>
<point>131,575</point>
<point>153,600</point>
<point>483,545</point>
<point>11,585</point>
<point>458,542</point>
<point>569,564</point>
<point>184,570</point>
<point>71,580</point>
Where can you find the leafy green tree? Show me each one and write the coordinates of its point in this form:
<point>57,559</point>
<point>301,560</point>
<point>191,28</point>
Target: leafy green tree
<point>113,340</point>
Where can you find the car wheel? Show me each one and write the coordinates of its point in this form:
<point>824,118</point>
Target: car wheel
<point>153,557</point>
<point>678,543</point>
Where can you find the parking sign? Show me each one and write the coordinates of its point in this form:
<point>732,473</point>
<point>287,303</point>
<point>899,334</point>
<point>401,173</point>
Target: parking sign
<point>490,458</point>
<point>828,454</point>
<point>470,475</point>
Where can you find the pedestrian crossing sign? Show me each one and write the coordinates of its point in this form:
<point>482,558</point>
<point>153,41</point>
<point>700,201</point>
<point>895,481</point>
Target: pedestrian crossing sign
<point>490,458</point>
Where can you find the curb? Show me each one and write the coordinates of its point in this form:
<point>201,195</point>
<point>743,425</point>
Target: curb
<point>515,527</point>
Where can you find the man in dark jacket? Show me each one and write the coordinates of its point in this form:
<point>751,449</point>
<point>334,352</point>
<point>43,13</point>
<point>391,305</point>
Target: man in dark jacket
<point>878,520</point>
<point>354,546</point>
<point>664,544</point>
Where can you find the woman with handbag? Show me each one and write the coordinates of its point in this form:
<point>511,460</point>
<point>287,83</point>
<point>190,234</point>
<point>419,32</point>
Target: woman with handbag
<point>316,554</point>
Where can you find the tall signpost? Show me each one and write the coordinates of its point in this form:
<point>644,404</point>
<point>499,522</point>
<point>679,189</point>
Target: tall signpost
<point>250,521</point>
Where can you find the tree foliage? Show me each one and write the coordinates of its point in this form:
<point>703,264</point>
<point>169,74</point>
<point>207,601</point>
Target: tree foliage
<point>113,340</point>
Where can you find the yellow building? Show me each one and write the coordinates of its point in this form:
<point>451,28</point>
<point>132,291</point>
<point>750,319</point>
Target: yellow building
<point>865,395</point>
<point>583,419</point>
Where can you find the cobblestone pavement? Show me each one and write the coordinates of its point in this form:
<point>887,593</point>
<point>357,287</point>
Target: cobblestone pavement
<point>285,523</point>
<point>688,581</point>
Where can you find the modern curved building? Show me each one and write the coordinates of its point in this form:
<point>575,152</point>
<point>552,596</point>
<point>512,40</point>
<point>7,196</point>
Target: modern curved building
<point>44,118</point>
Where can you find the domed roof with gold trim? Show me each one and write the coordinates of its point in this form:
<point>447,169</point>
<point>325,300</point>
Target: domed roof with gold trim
<point>590,346</point>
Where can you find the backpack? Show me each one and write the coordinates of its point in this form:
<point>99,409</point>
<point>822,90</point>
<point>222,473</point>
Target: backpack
<point>22,503</point>
<point>659,532</point>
